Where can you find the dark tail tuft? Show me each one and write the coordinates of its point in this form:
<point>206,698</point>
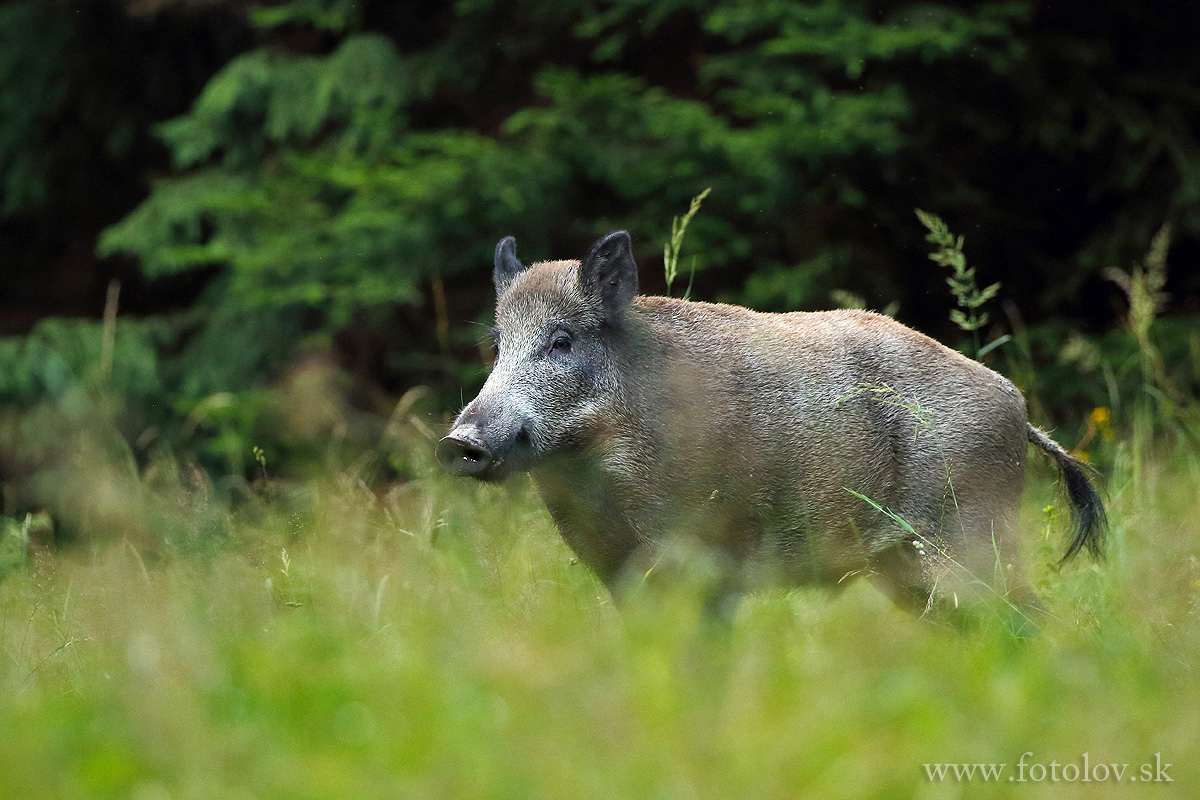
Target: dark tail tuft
<point>1086,507</point>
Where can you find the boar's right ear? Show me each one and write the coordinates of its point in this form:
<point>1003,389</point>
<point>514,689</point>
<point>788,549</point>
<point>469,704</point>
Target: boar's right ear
<point>507,265</point>
<point>609,273</point>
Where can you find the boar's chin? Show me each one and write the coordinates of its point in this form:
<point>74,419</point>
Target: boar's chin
<point>518,459</point>
<point>497,472</point>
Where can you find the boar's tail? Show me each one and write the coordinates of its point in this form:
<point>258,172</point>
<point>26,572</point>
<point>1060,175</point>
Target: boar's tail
<point>1086,507</point>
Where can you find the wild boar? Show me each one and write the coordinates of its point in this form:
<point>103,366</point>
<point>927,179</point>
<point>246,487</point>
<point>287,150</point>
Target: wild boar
<point>807,446</point>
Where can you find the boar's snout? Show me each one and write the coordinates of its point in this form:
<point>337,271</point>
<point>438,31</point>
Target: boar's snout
<point>486,446</point>
<point>464,457</point>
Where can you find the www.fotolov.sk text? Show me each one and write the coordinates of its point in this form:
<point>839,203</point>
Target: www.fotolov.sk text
<point>1026,769</point>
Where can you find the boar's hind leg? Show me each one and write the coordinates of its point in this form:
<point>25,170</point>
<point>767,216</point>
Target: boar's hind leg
<point>952,585</point>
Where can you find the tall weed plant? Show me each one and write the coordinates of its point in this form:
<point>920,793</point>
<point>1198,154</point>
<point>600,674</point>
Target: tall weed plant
<point>970,315</point>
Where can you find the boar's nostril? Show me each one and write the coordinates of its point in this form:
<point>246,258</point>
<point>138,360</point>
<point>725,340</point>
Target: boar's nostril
<point>461,457</point>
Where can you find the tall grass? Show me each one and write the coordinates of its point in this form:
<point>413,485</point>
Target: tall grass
<point>1159,408</point>
<point>674,245</point>
<point>438,640</point>
<point>342,637</point>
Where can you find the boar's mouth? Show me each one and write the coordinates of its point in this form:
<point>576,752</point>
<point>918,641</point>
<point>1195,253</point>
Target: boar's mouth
<point>467,456</point>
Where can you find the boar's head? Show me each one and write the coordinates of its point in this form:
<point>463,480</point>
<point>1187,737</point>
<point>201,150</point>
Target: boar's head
<point>559,327</point>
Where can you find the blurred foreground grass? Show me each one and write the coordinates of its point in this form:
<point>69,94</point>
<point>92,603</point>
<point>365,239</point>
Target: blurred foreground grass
<point>438,642</point>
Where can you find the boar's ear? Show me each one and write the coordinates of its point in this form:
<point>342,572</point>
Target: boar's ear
<point>609,273</point>
<point>507,265</point>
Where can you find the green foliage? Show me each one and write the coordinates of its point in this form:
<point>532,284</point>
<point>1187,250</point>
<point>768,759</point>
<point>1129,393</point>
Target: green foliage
<point>305,177</point>
<point>60,360</point>
<point>330,15</point>
<point>847,37</point>
<point>284,223</point>
<point>32,41</point>
<point>55,391</point>
<point>1139,146</point>
<point>314,195</point>
<point>263,99</point>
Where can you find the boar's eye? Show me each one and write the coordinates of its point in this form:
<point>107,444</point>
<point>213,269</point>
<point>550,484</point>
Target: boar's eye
<point>561,343</point>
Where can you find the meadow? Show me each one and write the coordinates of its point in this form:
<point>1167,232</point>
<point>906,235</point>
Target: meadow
<point>325,639</point>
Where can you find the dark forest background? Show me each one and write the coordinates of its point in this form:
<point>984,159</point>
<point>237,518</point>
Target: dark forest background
<point>240,232</point>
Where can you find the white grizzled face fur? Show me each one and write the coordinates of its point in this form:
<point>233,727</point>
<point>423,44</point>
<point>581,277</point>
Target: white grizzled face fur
<point>553,370</point>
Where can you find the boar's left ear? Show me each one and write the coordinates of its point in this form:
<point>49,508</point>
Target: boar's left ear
<point>507,265</point>
<point>609,273</point>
